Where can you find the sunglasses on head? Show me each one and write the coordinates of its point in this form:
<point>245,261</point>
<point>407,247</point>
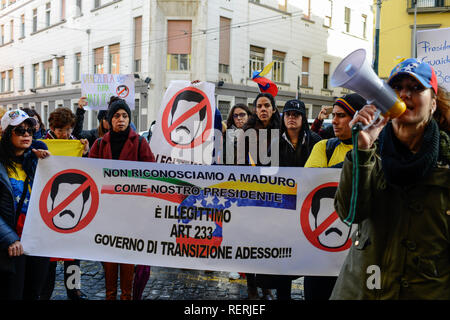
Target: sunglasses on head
<point>20,131</point>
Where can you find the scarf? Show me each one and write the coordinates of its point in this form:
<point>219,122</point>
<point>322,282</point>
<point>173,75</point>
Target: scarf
<point>401,166</point>
<point>117,141</point>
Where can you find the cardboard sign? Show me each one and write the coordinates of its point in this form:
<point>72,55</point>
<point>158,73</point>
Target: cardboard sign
<point>98,89</point>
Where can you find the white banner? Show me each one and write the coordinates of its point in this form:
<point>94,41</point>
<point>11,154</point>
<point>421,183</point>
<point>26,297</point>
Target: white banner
<point>98,89</point>
<point>223,218</point>
<point>184,128</point>
<point>433,47</point>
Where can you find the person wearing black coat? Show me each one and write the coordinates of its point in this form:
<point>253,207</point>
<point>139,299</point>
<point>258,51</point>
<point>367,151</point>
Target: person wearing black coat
<point>297,140</point>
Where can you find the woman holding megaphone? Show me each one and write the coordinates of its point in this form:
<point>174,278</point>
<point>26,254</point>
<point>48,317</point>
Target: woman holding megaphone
<point>401,249</point>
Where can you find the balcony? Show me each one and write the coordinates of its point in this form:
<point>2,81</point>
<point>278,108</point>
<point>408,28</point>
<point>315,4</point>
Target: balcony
<point>427,6</point>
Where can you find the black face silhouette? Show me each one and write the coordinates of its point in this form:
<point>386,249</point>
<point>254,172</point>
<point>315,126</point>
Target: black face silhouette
<point>189,129</point>
<point>337,233</point>
<point>63,186</point>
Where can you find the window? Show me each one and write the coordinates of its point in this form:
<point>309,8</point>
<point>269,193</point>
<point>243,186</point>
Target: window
<point>10,80</point>
<point>137,43</point>
<point>114,59</point>
<point>224,45</point>
<point>2,30</point>
<point>282,5</point>
<point>328,14</point>
<point>97,3</point>
<point>3,83</point>
<point>307,12</point>
<point>98,60</point>
<point>11,30</point>
<point>224,108</point>
<point>256,59</point>
<point>3,4</point>
<point>22,26</point>
<point>79,8</point>
<point>347,19</point>
<point>364,26</point>
<point>63,9</point>
<point>77,66</point>
<point>47,14</point>
<point>48,72</point>
<point>179,44</point>
<point>34,20</point>
<point>278,66</point>
<point>60,70</point>
<point>22,78</point>
<point>326,74</point>
<point>305,71</point>
<point>36,77</point>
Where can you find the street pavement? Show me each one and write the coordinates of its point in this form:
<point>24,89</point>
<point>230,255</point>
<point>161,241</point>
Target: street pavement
<point>168,284</point>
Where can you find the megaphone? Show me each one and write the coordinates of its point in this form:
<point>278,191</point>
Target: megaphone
<point>356,74</point>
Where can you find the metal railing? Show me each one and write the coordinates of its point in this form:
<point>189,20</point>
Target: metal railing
<point>428,4</point>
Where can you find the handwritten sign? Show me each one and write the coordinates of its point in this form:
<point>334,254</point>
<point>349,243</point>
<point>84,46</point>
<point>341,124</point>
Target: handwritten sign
<point>433,47</point>
<point>98,89</point>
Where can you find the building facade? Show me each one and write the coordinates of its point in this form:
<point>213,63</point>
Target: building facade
<point>46,45</point>
<point>397,25</point>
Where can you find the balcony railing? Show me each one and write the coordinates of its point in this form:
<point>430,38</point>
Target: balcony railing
<point>428,5</point>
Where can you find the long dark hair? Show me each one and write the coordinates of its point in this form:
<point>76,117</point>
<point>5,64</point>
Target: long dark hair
<point>275,119</point>
<point>7,153</point>
<point>230,119</point>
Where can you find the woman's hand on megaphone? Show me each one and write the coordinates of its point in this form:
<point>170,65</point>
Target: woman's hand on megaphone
<point>365,116</point>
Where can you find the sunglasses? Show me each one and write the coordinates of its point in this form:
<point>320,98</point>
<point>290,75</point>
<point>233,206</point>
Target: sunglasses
<point>20,131</point>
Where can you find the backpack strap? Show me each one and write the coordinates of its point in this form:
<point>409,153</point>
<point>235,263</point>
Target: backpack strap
<point>331,145</point>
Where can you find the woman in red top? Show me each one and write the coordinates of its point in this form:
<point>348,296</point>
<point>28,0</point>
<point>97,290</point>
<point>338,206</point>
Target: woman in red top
<point>120,143</point>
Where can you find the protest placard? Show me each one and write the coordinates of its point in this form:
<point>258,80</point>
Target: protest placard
<point>222,218</point>
<point>433,47</point>
<point>183,131</point>
<point>98,89</point>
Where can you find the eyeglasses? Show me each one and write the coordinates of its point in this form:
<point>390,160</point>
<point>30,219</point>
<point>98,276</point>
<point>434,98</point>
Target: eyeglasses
<point>20,131</point>
<point>239,115</point>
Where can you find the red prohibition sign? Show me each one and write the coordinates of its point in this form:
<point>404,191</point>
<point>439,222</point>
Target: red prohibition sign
<point>313,235</point>
<point>166,129</point>
<point>122,91</point>
<point>47,215</point>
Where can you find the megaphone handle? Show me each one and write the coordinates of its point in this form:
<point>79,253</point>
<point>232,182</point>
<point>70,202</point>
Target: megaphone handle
<point>359,126</point>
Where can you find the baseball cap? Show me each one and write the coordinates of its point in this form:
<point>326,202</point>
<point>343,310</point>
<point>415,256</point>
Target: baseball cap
<point>421,71</point>
<point>295,105</point>
<point>16,117</point>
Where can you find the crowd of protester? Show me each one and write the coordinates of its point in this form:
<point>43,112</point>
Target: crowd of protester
<point>403,158</point>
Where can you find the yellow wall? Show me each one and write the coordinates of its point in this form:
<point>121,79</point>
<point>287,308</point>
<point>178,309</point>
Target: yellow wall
<point>396,34</point>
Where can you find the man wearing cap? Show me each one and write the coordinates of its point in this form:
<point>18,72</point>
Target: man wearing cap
<point>297,140</point>
<point>331,152</point>
<point>18,161</point>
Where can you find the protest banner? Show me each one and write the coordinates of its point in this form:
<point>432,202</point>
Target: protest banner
<point>98,89</point>
<point>433,47</point>
<point>183,131</point>
<point>223,218</point>
<point>64,147</point>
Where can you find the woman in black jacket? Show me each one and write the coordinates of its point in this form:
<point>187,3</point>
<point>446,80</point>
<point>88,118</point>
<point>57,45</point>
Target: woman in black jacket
<point>265,117</point>
<point>21,276</point>
<point>297,140</point>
